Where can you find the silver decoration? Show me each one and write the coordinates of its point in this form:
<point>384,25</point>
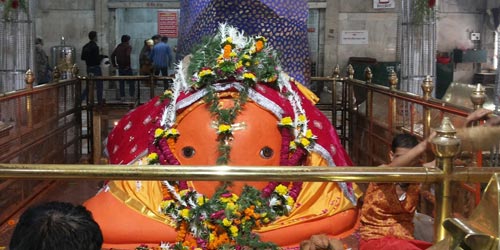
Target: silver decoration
<point>416,49</point>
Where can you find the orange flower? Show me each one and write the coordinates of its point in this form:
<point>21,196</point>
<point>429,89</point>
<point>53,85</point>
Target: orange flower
<point>171,144</point>
<point>181,231</point>
<point>227,51</point>
<point>259,45</point>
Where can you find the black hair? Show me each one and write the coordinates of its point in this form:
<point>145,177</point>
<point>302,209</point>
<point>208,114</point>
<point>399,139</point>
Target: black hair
<point>39,40</point>
<point>404,141</point>
<point>92,35</point>
<point>164,39</point>
<point>156,37</point>
<point>125,38</point>
<point>56,225</point>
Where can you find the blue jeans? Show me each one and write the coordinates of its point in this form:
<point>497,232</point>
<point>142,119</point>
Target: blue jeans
<point>95,71</point>
<point>131,84</point>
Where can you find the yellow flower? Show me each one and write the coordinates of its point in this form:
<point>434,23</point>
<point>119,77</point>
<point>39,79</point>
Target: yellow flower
<point>286,121</point>
<point>290,201</point>
<point>212,237</point>
<point>234,197</point>
<point>293,145</point>
<point>200,200</point>
<point>205,72</point>
<point>272,78</point>
<point>281,189</point>
<point>158,132</point>
<point>185,213</point>
<point>173,132</point>
<point>226,222</point>
<point>246,57</point>
<point>265,220</point>
<point>233,54</point>
<point>250,76</point>
<point>305,142</point>
<point>309,134</point>
<point>234,230</point>
<point>165,203</point>
<point>224,128</point>
<point>231,206</point>
<point>153,157</point>
<point>229,39</point>
<point>302,118</point>
<point>168,92</point>
<point>183,192</point>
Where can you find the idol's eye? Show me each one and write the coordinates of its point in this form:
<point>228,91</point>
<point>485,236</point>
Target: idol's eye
<point>266,152</point>
<point>188,151</point>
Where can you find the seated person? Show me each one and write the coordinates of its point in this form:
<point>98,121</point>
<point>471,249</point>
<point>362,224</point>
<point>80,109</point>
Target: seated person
<point>388,208</point>
<point>56,225</point>
<point>230,105</point>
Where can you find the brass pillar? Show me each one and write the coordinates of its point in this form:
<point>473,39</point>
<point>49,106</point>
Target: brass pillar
<point>29,79</point>
<point>368,75</point>
<point>478,97</point>
<point>393,83</point>
<point>350,72</point>
<point>393,80</point>
<point>445,146</point>
<point>427,87</point>
<point>336,77</point>
<point>369,113</point>
<point>350,109</point>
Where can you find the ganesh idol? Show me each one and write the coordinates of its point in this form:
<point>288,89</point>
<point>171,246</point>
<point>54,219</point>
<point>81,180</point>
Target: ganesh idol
<point>230,104</point>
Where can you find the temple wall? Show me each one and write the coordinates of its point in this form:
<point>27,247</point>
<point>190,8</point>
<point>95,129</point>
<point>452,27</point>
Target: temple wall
<point>457,18</point>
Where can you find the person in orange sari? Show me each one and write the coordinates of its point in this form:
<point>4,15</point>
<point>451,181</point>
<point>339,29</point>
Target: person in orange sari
<point>231,104</point>
<point>388,208</point>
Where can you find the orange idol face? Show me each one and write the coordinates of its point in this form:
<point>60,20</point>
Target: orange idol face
<point>256,140</point>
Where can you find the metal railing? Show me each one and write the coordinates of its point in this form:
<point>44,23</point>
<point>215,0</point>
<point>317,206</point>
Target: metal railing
<point>348,108</point>
<point>38,125</point>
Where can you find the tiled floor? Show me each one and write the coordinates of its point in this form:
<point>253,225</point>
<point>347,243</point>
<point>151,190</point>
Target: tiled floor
<point>69,191</point>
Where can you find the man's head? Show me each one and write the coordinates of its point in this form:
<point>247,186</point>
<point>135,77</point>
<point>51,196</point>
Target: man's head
<point>125,38</point>
<point>39,41</point>
<point>93,36</point>
<point>56,225</point>
<point>401,144</point>
<point>156,38</point>
<point>164,39</point>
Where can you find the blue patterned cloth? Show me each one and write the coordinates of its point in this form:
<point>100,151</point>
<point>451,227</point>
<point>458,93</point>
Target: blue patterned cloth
<point>283,23</point>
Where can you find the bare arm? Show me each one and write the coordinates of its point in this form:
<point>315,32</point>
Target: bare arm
<point>406,159</point>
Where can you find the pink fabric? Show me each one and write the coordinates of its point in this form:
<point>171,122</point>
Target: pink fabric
<point>390,243</point>
<point>130,137</point>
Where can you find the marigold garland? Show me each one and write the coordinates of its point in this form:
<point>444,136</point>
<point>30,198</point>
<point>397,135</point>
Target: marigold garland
<point>227,221</point>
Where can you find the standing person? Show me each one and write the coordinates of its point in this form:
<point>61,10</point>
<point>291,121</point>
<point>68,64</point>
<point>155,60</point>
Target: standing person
<point>145,63</point>
<point>56,225</point>
<point>120,58</point>
<point>42,69</point>
<point>388,208</point>
<point>156,39</point>
<point>92,58</point>
<point>162,58</point>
